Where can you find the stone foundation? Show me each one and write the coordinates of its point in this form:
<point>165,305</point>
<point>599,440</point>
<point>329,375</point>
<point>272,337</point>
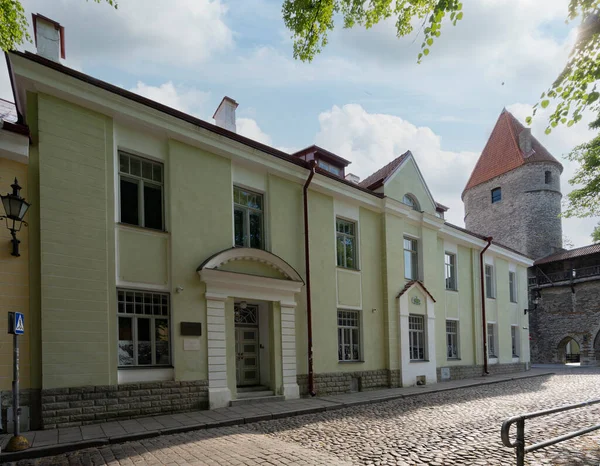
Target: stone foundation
<point>66,407</point>
<point>27,397</point>
<point>335,383</point>
<point>470,372</point>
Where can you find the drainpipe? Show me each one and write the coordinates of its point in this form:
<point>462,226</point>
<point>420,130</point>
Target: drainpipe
<point>484,323</point>
<point>311,381</point>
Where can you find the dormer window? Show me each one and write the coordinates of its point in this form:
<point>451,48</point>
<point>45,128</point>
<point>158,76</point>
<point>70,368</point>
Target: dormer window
<point>410,200</point>
<point>330,168</point>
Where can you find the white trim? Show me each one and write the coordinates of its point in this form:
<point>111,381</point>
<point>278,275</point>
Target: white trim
<point>14,146</point>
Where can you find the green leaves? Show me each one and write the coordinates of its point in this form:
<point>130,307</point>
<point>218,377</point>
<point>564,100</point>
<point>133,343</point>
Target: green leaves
<point>584,200</point>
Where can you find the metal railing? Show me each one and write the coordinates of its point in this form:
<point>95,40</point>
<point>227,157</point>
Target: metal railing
<point>565,275</point>
<point>519,444</point>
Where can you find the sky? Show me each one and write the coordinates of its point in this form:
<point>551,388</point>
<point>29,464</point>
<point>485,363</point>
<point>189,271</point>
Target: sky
<point>364,97</point>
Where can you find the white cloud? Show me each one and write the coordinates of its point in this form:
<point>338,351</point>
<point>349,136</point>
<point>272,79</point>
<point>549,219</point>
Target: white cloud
<point>249,128</point>
<point>187,100</point>
<point>371,140</point>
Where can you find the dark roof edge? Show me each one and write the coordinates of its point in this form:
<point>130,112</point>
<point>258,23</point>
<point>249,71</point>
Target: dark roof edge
<point>549,258</point>
<point>15,128</point>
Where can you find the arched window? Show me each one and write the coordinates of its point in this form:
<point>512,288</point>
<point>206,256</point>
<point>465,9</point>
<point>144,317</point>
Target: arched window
<point>410,200</point>
<point>548,177</point>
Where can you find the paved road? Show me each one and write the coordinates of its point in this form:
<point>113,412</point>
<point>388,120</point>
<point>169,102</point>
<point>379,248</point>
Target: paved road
<point>448,428</point>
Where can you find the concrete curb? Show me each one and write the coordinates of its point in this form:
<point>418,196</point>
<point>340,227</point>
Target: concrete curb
<point>53,450</point>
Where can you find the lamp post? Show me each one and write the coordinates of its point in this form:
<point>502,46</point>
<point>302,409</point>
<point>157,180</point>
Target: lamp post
<point>15,207</point>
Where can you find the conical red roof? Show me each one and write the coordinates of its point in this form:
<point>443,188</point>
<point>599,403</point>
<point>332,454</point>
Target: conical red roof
<point>502,153</point>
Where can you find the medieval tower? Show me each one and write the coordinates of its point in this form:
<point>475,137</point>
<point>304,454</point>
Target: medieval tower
<point>513,193</point>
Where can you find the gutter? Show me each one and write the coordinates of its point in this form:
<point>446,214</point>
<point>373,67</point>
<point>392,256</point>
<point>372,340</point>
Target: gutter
<point>483,317</point>
<point>311,381</point>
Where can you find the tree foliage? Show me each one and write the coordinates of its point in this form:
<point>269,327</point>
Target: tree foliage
<point>311,20</point>
<point>596,234</point>
<point>584,201</point>
<point>13,23</point>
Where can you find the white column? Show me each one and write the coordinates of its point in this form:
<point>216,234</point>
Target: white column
<point>288,350</point>
<point>218,394</point>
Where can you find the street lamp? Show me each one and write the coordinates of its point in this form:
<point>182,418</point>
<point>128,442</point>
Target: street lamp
<point>15,207</point>
<point>536,300</point>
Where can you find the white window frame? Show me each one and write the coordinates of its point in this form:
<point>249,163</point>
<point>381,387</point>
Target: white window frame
<point>330,168</point>
<point>122,312</point>
<point>411,201</point>
<point>512,287</point>
<point>414,254</point>
<point>141,181</point>
<point>456,333</point>
<point>354,242</point>
<point>349,314</point>
<point>515,338</point>
<point>247,210</point>
<point>490,286</point>
<point>417,337</point>
<point>452,267</point>
<point>492,340</point>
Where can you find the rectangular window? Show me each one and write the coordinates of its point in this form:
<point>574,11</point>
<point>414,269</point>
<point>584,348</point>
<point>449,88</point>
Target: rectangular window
<point>491,338</point>
<point>411,259</point>
<point>496,195</point>
<point>548,177</point>
<point>348,336</point>
<point>330,168</point>
<point>514,334</point>
<point>512,286</point>
<point>452,339</point>
<point>141,191</point>
<point>450,271</point>
<point>416,337</point>
<point>248,218</point>
<point>490,288</point>
<point>346,244</point>
<point>144,337</point>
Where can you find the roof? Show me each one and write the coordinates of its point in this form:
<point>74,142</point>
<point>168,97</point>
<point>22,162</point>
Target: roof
<point>8,111</point>
<point>441,207</point>
<point>502,153</point>
<point>381,176</point>
<point>571,254</point>
<point>409,285</point>
<point>320,150</point>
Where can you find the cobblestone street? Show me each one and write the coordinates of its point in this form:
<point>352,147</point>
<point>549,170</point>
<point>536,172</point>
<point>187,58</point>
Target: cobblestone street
<point>448,428</point>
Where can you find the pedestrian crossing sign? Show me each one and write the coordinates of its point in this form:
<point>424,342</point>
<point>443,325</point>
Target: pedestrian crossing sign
<point>19,323</point>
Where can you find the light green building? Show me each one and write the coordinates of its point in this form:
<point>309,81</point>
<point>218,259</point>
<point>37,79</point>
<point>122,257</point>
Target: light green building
<point>166,264</point>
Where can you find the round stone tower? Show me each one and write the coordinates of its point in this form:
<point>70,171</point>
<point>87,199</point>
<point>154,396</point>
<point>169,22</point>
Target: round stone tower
<point>513,193</point>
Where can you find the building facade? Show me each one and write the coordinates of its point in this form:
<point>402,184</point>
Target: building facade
<point>167,264</point>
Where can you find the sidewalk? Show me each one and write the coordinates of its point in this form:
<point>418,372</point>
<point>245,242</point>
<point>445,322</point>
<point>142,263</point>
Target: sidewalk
<point>57,441</point>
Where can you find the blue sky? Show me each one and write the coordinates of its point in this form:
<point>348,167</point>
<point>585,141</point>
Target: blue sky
<point>364,97</point>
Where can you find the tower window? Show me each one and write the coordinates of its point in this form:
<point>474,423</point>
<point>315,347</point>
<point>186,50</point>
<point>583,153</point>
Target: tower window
<point>548,177</point>
<point>496,195</point>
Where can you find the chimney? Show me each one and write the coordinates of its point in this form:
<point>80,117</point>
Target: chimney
<point>352,178</point>
<point>49,37</point>
<point>225,114</point>
<point>525,142</point>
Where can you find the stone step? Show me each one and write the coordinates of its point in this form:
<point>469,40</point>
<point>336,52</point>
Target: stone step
<point>254,388</point>
<point>257,394</point>
<point>262,399</point>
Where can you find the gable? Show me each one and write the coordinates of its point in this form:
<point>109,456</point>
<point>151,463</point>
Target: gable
<point>407,179</point>
<point>417,301</point>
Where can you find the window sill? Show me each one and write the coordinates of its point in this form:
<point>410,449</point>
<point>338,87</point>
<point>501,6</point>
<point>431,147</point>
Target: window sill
<point>490,297</point>
<point>352,362</point>
<point>492,360</point>
<point>350,269</point>
<point>137,368</point>
<point>516,359</point>
<point>514,302</point>
<point>141,228</point>
<point>452,290</point>
<point>417,361</point>
<point>453,359</point>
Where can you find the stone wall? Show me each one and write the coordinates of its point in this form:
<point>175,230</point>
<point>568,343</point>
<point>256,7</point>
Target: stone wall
<point>566,312</point>
<point>527,201</point>
<point>335,383</point>
<point>66,407</point>
<point>470,372</point>
<point>27,397</point>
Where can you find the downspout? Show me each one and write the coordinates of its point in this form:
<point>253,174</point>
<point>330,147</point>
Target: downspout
<point>311,382</point>
<point>483,317</point>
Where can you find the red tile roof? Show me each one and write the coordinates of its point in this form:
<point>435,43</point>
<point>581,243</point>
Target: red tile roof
<point>572,254</point>
<point>410,284</point>
<point>380,176</point>
<point>502,153</point>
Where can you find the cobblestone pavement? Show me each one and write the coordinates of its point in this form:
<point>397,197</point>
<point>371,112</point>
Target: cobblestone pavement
<point>447,428</point>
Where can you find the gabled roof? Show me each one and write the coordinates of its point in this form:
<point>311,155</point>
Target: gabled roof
<point>502,153</point>
<point>572,254</point>
<point>410,284</point>
<point>381,176</point>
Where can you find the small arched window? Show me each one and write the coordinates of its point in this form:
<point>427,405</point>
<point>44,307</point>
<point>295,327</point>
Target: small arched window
<point>410,200</point>
<point>548,177</point>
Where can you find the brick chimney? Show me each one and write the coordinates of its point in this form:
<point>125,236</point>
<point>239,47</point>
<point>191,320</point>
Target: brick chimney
<point>225,114</point>
<point>49,37</point>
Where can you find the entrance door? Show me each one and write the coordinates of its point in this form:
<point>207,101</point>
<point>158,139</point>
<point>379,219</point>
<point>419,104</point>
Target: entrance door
<point>246,344</point>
